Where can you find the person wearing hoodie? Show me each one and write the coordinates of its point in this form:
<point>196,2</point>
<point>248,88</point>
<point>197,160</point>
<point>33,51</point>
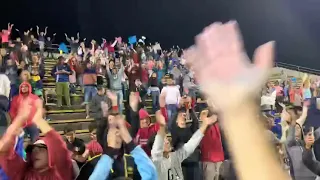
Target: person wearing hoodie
<point>212,154</point>
<point>294,145</point>
<point>115,78</point>
<point>181,134</point>
<point>25,92</point>
<point>168,162</point>
<point>117,134</point>
<point>47,158</point>
<point>61,72</point>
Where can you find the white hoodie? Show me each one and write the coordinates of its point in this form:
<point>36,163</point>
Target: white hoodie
<point>5,85</point>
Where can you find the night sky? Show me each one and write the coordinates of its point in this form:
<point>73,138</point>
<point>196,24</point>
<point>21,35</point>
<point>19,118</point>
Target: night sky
<point>294,24</point>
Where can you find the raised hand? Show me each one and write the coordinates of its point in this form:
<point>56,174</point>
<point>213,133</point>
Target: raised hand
<point>37,27</point>
<point>113,97</point>
<point>54,34</point>
<point>124,133</point>
<point>222,66</point>
<point>309,140</point>
<point>160,119</point>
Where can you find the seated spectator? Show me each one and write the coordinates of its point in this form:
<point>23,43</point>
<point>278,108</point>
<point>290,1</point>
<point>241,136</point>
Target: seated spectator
<point>25,92</point>
<point>61,72</point>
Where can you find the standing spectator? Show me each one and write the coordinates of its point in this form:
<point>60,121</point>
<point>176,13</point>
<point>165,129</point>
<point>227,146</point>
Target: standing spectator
<point>25,92</point>
<point>181,134</point>
<point>96,107</point>
<point>74,43</point>
<point>306,90</point>
<point>168,162</point>
<point>61,72</point>
<point>12,72</point>
<point>100,72</point>
<point>90,85</point>
<point>5,36</point>
<point>172,96</point>
<point>115,79</point>
<point>49,47</point>
<point>37,72</point>
<point>154,91</point>
<point>212,154</point>
<point>72,77</point>
<point>41,40</point>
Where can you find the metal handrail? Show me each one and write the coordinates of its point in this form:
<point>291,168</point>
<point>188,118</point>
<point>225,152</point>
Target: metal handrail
<point>298,68</point>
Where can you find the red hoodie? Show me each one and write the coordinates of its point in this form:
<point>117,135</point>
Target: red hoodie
<point>16,101</point>
<point>144,134</point>
<point>59,160</point>
<point>211,145</point>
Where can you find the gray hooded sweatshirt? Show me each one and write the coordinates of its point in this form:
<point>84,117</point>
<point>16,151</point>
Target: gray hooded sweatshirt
<point>295,149</point>
<point>170,168</point>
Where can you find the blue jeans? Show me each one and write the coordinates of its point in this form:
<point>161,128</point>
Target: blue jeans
<point>119,100</point>
<point>172,109</point>
<point>33,132</point>
<point>155,100</point>
<point>89,92</point>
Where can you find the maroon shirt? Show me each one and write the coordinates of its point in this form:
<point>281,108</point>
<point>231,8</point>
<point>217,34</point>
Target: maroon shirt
<point>60,165</point>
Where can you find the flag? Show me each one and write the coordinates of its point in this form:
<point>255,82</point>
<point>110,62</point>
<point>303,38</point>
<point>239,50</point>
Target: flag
<point>132,39</point>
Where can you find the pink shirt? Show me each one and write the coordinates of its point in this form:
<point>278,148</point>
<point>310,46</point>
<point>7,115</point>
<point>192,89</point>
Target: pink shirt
<point>5,36</point>
<point>278,90</point>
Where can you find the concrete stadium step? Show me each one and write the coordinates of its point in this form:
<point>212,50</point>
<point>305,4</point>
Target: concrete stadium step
<point>76,99</point>
<point>53,115</point>
<point>76,124</point>
<point>53,108</point>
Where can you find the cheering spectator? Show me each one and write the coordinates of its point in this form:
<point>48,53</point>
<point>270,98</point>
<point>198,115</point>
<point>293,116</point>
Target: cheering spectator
<point>49,47</point>
<point>168,163</point>
<point>25,92</point>
<point>74,43</point>
<point>37,72</point>
<point>172,96</point>
<point>5,36</point>
<point>61,72</point>
<point>154,91</point>
<point>115,79</point>
<point>90,85</point>
<point>308,156</point>
<point>96,107</point>
<point>72,77</point>
<point>48,158</point>
<point>41,40</point>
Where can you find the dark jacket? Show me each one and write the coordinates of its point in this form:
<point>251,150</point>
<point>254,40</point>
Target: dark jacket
<point>95,106</point>
<point>61,77</point>
<point>180,136</point>
<point>310,162</point>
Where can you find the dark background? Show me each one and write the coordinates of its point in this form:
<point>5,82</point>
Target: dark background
<point>294,24</point>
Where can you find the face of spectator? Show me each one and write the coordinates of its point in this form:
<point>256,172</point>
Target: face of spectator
<point>181,120</point>
<point>144,123</point>
<point>49,38</point>
<point>89,65</point>
<point>70,136</point>
<point>35,59</point>
<point>167,145</point>
<point>22,64</point>
<point>24,76</point>
<point>72,38</point>
<point>18,39</point>
<point>93,134</point>
<point>101,91</point>
<point>111,64</point>
<point>32,36</point>
<point>39,157</point>
<point>9,62</point>
<point>24,89</point>
<point>42,33</point>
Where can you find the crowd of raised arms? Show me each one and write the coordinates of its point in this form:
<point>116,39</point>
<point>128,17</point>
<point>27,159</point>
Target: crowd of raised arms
<point>215,115</point>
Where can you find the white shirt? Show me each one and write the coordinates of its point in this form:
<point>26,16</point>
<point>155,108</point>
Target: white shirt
<point>172,94</point>
<point>5,85</point>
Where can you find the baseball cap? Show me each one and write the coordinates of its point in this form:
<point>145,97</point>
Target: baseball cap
<point>39,143</point>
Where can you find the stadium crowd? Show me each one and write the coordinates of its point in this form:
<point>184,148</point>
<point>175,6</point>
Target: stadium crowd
<point>244,130</point>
